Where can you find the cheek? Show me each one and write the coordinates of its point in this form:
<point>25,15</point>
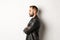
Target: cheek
<point>30,12</point>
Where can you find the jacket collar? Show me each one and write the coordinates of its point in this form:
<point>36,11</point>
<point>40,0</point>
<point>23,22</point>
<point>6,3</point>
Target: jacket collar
<point>35,17</point>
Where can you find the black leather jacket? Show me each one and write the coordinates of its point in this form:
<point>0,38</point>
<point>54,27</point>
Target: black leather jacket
<point>32,29</point>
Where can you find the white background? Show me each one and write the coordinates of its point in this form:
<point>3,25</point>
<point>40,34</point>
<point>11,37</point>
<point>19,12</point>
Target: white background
<point>14,18</point>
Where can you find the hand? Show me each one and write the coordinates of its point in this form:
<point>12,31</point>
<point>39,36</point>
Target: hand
<point>27,28</point>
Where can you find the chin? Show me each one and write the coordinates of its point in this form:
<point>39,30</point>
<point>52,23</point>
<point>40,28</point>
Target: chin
<point>31,15</point>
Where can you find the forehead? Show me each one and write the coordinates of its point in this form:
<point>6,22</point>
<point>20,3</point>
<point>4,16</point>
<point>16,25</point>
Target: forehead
<point>30,8</point>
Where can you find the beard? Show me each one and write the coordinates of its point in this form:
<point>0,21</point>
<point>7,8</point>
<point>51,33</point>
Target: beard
<point>31,15</point>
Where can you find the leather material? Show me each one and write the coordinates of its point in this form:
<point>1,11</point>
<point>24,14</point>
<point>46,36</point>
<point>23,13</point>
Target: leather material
<point>32,29</point>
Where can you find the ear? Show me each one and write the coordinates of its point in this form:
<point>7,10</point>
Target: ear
<point>35,12</point>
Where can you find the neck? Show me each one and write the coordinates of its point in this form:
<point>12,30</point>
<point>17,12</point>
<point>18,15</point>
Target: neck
<point>34,16</point>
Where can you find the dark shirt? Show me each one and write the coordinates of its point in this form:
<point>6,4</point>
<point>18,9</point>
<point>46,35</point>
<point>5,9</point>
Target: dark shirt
<point>33,28</point>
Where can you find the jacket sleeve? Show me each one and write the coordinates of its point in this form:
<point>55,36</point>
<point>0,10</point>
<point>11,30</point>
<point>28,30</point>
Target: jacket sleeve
<point>32,27</point>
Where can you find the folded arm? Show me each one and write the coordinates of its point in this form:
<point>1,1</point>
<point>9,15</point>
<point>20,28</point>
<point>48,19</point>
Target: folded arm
<point>32,27</point>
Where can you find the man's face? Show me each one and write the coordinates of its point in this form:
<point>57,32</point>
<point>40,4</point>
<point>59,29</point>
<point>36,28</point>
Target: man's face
<point>31,12</point>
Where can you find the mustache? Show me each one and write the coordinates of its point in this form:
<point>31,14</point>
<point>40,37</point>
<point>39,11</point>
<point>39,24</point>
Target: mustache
<point>31,15</point>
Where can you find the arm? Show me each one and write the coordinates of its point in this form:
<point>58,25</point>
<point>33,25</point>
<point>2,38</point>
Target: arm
<point>32,27</point>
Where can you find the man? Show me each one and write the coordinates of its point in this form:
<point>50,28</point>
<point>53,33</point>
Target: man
<point>32,28</point>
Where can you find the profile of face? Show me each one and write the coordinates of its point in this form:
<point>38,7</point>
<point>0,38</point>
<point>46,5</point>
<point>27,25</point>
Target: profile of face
<point>31,12</point>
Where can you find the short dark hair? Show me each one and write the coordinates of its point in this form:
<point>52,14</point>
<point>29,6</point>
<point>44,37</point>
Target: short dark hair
<point>34,7</point>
